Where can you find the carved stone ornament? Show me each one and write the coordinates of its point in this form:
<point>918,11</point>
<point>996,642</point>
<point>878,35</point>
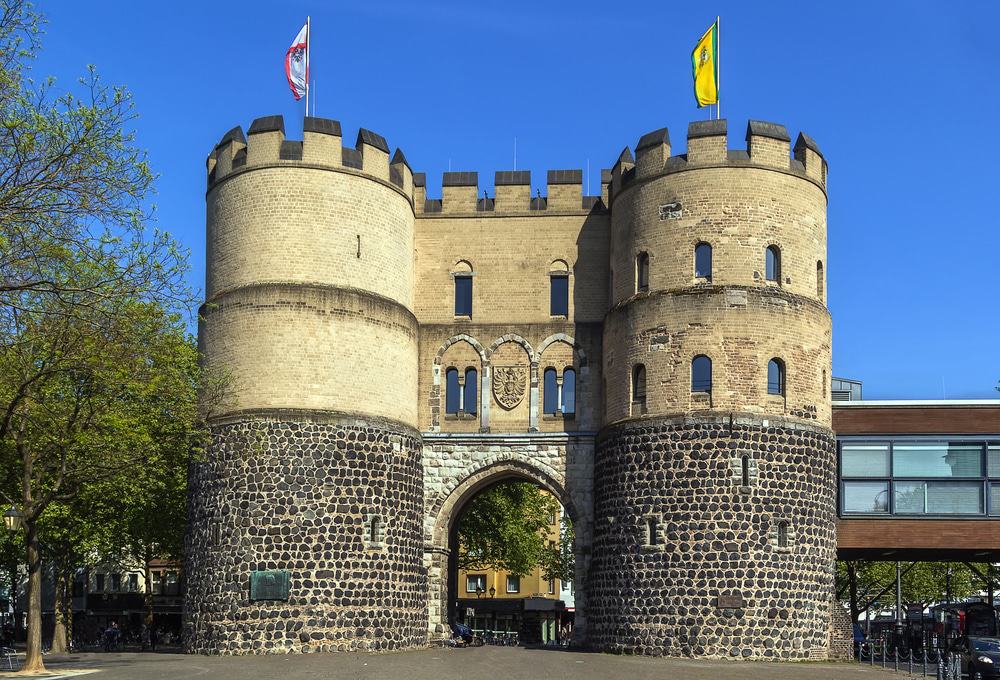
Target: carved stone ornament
<point>671,211</point>
<point>509,383</point>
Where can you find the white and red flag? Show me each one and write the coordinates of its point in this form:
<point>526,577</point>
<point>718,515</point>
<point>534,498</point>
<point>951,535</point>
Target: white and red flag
<point>297,63</point>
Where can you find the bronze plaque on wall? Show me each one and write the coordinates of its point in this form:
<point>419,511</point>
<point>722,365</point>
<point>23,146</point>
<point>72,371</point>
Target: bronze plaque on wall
<point>729,602</point>
<point>269,585</point>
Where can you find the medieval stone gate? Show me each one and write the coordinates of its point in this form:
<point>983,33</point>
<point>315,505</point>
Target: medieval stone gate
<point>457,467</point>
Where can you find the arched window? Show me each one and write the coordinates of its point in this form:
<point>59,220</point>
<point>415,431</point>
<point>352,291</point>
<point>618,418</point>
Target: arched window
<point>772,264</point>
<point>638,389</point>
<point>745,471</point>
<point>550,389</point>
<point>819,279</point>
<point>782,538</point>
<point>470,391</point>
<point>569,391</point>
<point>642,273</point>
<point>776,377</point>
<point>452,398</point>
<point>703,261</point>
<point>375,531</point>
<point>701,374</point>
<point>559,288</point>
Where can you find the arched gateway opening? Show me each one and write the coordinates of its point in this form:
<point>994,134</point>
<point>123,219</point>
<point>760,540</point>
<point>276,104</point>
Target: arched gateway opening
<point>445,512</point>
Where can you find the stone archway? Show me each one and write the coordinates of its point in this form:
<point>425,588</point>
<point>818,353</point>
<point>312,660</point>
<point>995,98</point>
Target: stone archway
<point>561,464</point>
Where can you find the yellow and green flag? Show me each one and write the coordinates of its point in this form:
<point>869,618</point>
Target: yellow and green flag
<point>706,67</point>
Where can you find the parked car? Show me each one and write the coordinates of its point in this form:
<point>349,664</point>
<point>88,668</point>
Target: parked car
<point>980,656</point>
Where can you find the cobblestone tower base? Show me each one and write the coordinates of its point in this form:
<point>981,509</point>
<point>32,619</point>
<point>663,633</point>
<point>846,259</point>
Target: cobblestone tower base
<point>301,495</point>
<point>687,559</point>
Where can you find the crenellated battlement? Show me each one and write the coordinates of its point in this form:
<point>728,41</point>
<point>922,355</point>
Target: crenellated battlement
<point>322,146</point>
<point>460,194</point>
<point>767,145</point>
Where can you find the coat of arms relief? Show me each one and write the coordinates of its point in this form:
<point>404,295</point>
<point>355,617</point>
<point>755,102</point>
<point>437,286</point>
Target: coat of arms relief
<point>509,384</point>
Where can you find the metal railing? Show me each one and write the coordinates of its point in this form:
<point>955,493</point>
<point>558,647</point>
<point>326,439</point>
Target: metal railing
<point>927,661</point>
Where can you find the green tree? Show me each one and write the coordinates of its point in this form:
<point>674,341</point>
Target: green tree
<point>925,583</point>
<point>559,561</point>
<point>85,290</point>
<point>506,527</point>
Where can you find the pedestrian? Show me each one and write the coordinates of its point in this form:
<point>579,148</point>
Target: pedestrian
<point>153,638</point>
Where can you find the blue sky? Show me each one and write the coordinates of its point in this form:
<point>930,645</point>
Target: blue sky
<point>902,98</point>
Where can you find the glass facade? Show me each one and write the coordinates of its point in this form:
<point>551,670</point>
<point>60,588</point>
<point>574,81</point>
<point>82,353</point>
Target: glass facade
<point>914,476</point>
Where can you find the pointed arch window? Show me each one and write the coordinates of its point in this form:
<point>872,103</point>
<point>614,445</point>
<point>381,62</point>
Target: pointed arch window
<point>701,374</point>
<point>642,273</point>
<point>703,261</point>
<point>772,264</point>
<point>776,377</point>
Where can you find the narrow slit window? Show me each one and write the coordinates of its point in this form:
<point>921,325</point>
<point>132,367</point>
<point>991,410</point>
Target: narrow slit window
<point>772,264</point>
<point>776,377</point>
<point>569,391</point>
<point>642,273</point>
<point>375,531</point>
<point>701,374</point>
<point>745,471</point>
<point>652,532</point>
<point>782,534</point>
<point>703,261</point>
<point>638,389</point>
<point>471,390</point>
<point>451,392</point>
<point>819,279</point>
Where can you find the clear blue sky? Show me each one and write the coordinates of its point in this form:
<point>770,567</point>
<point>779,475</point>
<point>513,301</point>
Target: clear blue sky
<point>903,98</point>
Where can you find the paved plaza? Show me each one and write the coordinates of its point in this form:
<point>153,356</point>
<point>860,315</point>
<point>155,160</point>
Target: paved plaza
<point>482,663</point>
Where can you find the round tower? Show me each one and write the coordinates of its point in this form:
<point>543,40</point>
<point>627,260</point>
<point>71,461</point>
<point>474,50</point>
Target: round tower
<point>305,512</point>
<point>715,479</point>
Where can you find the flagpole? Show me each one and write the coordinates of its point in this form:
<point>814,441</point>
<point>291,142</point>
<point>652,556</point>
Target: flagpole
<point>308,40</point>
<point>718,70</point>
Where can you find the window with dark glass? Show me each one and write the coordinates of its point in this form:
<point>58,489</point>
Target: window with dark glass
<point>772,264</point>
<point>701,374</point>
<point>745,471</point>
<point>550,391</point>
<point>452,398</point>
<point>569,391</point>
<point>559,295</point>
<point>471,391</point>
<point>638,389</point>
<point>819,280</point>
<point>642,273</point>
<point>703,261</point>
<point>463,295</point>
<point>776,377</point>
<point>513,584</point>
<point>919,477</point>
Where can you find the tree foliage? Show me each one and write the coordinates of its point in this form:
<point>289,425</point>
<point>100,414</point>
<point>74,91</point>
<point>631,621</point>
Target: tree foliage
<point>98,376</point>
<point>925,584</point>
<point>508,527</point>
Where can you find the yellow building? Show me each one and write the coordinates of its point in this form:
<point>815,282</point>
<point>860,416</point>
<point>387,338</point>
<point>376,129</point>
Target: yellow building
<point>495,596</point>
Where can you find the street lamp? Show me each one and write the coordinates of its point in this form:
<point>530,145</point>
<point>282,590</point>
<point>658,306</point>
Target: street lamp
<point>493,591</point>
<point>13,519</point>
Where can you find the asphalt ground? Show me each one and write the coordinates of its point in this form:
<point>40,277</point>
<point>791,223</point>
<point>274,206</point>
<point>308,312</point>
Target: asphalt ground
<point>481,663</point>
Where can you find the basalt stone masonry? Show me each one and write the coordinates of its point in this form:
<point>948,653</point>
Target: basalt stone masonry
<point>337,505</point>
<point>391,348</point>
<point>714,537</point>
